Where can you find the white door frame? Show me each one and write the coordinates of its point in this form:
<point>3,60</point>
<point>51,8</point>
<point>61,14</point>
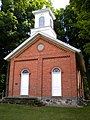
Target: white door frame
<point>56,82</point>
<point>24,88</point>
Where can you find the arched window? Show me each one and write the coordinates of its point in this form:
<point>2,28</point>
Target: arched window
<point>41,21</point>
<point>25,72</point>
<point>24,82</point>
<point>56,70</point>
<point>56,82</point>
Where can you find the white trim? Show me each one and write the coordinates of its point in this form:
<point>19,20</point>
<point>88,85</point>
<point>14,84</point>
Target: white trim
<point>44,10</point>
<point>65,45</point>
<point>32,38</point>
<point>46,30</point>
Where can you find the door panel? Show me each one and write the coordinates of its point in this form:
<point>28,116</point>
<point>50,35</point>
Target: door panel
<point>56,83</point>
<point>24,84</point>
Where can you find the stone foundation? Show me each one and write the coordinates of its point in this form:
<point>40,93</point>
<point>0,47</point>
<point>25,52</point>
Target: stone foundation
<point>40,101</point>
<point>59,101</point>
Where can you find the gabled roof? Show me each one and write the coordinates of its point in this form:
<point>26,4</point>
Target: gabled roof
<point>32,38</point>
<point>36,35</point>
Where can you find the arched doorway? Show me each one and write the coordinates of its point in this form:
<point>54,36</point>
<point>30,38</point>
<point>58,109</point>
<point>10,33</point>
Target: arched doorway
<point>56,82</point>
<point>24,82</point>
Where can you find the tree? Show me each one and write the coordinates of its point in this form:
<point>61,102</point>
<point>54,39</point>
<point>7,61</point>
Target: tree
<point>65,26</point>
<point>82,9</point>
<point>8,29</point>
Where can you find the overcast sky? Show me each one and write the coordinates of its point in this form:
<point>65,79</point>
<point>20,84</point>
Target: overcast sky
<point>60,3</point>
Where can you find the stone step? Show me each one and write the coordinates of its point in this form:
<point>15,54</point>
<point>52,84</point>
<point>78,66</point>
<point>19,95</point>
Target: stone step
<point>22,101</point>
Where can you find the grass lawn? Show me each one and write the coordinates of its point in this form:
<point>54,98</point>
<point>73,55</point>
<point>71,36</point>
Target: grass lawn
<point>15,112</point>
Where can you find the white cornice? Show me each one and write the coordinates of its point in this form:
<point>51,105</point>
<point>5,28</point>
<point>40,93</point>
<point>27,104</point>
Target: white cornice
<point>44,10</point>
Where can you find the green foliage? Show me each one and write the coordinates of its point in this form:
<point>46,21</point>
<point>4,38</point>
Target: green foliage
<point>65,26</point>
<point>2,78</point>
<point>2,84</point>
<point>8,28</point>
<point>6,5</point>
<point>87,48</point>
<point>86,89</point>
<point>59,26</point>
<point>82,9</point>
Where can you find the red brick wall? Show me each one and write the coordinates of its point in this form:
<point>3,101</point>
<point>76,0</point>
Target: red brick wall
<point>40,65</point>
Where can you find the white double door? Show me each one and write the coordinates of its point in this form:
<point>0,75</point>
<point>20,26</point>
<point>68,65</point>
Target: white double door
<point>24,84</point>
<point>56,83</point>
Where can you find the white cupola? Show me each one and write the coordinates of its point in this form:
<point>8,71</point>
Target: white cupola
<point>44,22</point>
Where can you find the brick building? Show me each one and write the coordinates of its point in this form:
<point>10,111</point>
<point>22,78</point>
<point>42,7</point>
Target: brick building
<point>45,67</point>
